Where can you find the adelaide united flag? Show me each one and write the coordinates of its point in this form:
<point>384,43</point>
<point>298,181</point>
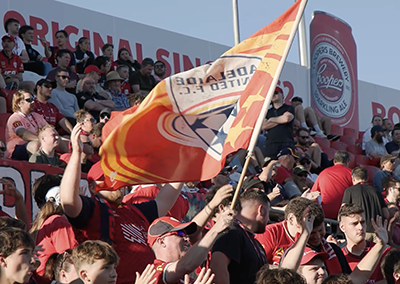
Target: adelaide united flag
<point>191,121</point>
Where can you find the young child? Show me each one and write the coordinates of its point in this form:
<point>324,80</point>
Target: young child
<point>16,260</point>
<point>95,262</point>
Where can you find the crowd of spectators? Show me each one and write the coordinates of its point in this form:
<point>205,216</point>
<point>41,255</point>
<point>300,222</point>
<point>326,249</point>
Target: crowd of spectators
<point>303,215</point>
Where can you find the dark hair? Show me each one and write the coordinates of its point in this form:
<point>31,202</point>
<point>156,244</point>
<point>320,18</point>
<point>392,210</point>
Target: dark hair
<point>252,195</point>
<point>107,45</point>
<point>147,61</point>
<point>12,239</point>
<point>42,186</point>
<point>101,60</point>
<point>297,205</point>
<point>360,173</point>
<point>24,29</point>
<point>57,262</point>
<point>341,157</point>
<point>301,129</point>
<point>135,99</point>
<point>82,39</point>
<point>278,276</point>
<point>390,264</point>
<point>97,129</point>
<point>122,50</point>
<point>395,129</point>
<point>210,195</point>
<point>338,279</point>
<point>159,61</point>
<point>59,70</point>
<point>10,21</point>
<point>348,210</point>
<point>388,182</point>
<point>7,222</point>
<point>297,99</point>
<point>63,32</point>
<point>62,52</point>
<point>376,115</point>
<point>122,66</point>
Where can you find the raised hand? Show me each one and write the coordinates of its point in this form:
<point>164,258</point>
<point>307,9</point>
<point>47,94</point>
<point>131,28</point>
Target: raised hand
<point>76,142</point>
<point>311,195</point>
<point>224,220</point>
<point>380,230</point>
<point>222,193</point>
<point>146,276</point>
<point>10,190</point>
<point>203,278</point>
<point>308,221</point>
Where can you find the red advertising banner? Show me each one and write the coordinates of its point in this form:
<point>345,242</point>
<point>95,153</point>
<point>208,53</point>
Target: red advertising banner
<point>333,70</point>
<point>24,175</point>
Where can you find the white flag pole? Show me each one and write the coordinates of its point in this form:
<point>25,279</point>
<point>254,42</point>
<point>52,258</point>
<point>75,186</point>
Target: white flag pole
<point>268,99</point>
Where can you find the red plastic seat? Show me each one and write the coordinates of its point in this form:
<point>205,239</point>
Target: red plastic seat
<point>348,140</point>
<point>3,133</point>
<point>361,134</point>
<point>329,152</point>
<point>355,149</point>
<point>8,94</point>
<point>336,130</point>
<point>352,163</point>
<point>339,145</point>
<point>322,142</point>
<point>363,160</point>
<point>371,171</point>
<point>3,118</point>
<point>351,132</point>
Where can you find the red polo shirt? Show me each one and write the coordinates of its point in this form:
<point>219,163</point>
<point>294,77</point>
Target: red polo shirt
<point>10,65</point>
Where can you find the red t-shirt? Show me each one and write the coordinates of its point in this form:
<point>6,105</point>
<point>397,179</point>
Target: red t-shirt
<point>332,183</point>
<point>144,193</point>
<point>282,173</point>
<point>10,66</point>
<point>129,230</point>
<point>49,112</point>
<point>126,88</point>
<point>160,267</point>
<point>114,66</point>
<point>275,240</point>
<point>55,236</point>
<point>353,260</point>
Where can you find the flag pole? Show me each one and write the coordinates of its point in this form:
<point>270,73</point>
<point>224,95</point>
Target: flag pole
<point>267,100</point>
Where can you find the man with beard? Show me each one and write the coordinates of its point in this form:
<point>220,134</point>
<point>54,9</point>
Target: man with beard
<point>237,256</point>
<point>48,110</point>
<point>169,240</point>
<point>393,147</point>
<point>159,71</point>
<point>375,148</point>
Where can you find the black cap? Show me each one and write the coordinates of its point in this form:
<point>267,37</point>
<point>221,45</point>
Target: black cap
<point>44,81</point>
<point>376,128</point>
<point>297,99</point>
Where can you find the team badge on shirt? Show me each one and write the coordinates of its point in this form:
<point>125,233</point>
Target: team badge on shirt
<point>15,64</point>
<point>17,124</point>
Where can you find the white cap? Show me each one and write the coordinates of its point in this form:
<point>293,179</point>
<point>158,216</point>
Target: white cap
<point>55,193</point>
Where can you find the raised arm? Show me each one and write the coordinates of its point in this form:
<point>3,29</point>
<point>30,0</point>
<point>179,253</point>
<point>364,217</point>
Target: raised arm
<point>167,196</point>
<point>69,188</point>
<point>202,218</point>
<point>369,262</point>
<point>194,256</point>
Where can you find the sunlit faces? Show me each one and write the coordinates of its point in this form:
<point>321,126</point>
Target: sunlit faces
<point>177,244</point>
<point>18,266</point>
<point>27,105</point>
<point>353,227</point>
<point>314,272</point>
<point>99,272</point>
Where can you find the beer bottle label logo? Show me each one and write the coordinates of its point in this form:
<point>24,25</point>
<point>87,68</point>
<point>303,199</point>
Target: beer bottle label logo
<point>331,77</point>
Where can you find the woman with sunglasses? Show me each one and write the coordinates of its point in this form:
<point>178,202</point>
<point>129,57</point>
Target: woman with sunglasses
<point>22,126</point>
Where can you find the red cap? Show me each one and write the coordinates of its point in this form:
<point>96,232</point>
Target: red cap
<point>8,36</point>
<point>309,254</point>
<point>92,68</point>
<point>95,173</point>
<point>278,89</point>
<point>165,225</point>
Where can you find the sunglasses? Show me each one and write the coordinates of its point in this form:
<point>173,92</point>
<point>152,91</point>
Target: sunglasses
<point>87,143</point>
<point>63,77</point>
<point>305,162</point>
<point>302,175</point>
<point>105,115</point>
<point>275,93</point>
<point>3,148</point>
<point>158,66</point>
<point>179,233</point>
<point>304,137</point>
<point>92,120</point>
<point>48,86</point>
<point>30,100</point>
<point>392,161</point>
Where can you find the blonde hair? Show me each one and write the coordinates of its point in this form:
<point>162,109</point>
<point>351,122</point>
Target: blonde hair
<point>17,98</point>
<point>90,251</point>
<point>80,115</point>
<point>49,209</point>
<point>42,129</point>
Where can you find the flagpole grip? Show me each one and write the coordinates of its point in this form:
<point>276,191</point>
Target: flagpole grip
<point>240,182</point>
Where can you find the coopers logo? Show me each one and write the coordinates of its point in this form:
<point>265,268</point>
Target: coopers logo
<point>330,78</point>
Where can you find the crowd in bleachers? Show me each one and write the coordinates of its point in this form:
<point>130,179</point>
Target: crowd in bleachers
<point>320,203</point>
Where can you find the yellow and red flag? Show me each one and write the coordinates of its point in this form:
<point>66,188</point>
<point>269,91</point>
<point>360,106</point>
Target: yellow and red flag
<point>191,121</point>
